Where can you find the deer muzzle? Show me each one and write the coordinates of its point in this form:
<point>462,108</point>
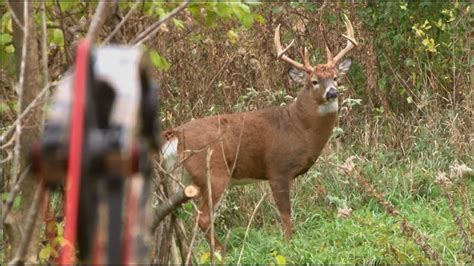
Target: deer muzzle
<point>331,94</point>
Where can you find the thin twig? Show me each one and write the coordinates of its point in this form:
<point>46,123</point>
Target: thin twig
<point>153,29</point>
<point>20,254</point>
<point>13,191</point>
<point>28,109</point>
<point>8,143</point>
<point>15,18</point>
<point>98,20</point>
<point>21,86</point>
<point>322,6</point>
<point>127,16</point>
<point>44,44</point>
<point>209,202</point>
<point>248,225</point>
<point>9,158</point>
<point>44,51</point>
<point>193,238</point>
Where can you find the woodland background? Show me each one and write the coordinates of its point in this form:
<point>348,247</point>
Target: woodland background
<point>394,184</point>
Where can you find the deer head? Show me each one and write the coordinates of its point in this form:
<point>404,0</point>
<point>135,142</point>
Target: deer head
<point>321,80</point>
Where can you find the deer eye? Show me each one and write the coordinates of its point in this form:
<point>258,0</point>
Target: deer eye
<point>315,82</point>
<point>335,78</point>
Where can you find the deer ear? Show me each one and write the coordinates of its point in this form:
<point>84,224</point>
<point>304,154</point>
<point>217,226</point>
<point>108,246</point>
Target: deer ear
<point>297,75</point>
<point>344,66</point>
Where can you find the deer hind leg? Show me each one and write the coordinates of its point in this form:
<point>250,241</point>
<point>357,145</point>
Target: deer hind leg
<point>218,185</point>
<point>281,193</point>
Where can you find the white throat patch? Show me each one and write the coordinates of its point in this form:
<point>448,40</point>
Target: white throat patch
<point>329,107</point>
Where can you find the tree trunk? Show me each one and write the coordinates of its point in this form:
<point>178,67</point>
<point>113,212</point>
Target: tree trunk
<point>32,124</point>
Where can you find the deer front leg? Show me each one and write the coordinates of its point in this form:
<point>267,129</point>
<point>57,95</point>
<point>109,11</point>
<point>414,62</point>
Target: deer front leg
<point>218,185</point>
<point>205,222</point>
<point>281,193</point>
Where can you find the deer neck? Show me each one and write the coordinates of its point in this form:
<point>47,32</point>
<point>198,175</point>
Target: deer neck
<point>312,116</point>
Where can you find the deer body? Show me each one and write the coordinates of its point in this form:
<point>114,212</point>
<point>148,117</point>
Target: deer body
<point>285,140</point>
<point>275,144</point>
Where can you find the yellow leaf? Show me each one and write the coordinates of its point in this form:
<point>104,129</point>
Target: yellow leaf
<point>205,258</point>
<point>280,260</point>
<point>232,36</point>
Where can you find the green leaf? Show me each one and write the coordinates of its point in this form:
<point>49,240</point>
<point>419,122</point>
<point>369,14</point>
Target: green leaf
<point>205,258</point>
<point>259,18</point>
<point>224,10</point>
<point>7,22</point>
<point>16,201</point>
<point>245,8</point>
<point>10,49</point>
<point>232,36</point>
<point>211,17</point>
<point>3,107</point>
<point>276,10</point>
<point>195,10</point>
<point>4,39</point>
<point>178,24</point>
<point>45,253</point>
<point>66,5</point>
<point>158,61</point>
<point>247,20</point>
<point>58,37</point>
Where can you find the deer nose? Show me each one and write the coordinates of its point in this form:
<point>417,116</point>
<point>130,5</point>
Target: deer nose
<point>331,93</point>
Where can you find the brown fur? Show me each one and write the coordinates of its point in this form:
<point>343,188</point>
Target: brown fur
<point>325,71</point>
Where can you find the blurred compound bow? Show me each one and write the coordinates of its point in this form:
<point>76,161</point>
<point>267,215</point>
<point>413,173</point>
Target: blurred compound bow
<point>99,133</point>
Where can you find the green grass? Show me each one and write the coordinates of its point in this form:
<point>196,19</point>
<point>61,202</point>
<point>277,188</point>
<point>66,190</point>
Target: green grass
<point>369,234</point>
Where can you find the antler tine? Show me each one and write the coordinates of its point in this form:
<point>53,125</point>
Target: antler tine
<point>351,42</point>
<point>306,62</point>
<point>329,55</point>
<point>328,52</point>
<point>281,52</point>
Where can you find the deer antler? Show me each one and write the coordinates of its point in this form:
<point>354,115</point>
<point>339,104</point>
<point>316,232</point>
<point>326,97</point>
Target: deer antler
<point>351,42</point>
<point>281,53</point>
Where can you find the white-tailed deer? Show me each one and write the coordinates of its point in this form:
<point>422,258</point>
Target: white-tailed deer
<point>275,144</point>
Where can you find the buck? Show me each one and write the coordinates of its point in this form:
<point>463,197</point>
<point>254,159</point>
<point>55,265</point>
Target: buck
<point>275,144</point>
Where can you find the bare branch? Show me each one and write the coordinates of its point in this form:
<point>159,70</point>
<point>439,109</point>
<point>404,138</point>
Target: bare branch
<point>98,20</point>
<point>248,225</point>
<point>21,86</point>
<point>188,256</point>
<point>127,16</point>
<point>44,44</point>
<point>153,29</point>
<point>322,6</point>
<point>14,17</point>
<point>15,188</point>
<point>209,201</point>
<point>26,111</point>
<point>20,254</point>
